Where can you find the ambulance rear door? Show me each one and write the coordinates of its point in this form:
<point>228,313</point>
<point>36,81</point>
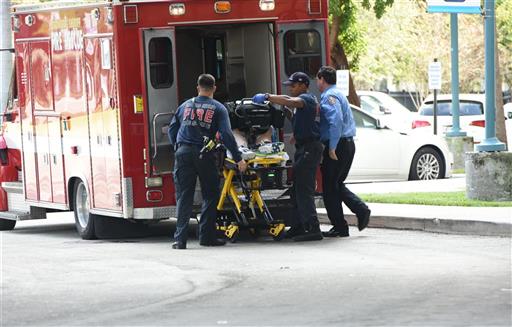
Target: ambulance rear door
<point>302,47</point>
<point>160,96</point>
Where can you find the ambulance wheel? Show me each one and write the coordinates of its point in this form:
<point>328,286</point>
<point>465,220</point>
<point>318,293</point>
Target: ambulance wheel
<point>84,220</point>
<point>7,224</point>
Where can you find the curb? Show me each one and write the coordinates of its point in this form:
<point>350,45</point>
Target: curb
<point>433,225</point>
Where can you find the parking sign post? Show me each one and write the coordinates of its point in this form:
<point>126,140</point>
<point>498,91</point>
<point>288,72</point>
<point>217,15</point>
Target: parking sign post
<point>491,142</point>
<point>434,83</point>
<point>454,29</point>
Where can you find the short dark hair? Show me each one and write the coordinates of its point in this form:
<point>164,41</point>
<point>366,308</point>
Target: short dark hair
<point>206,81</point>
<point>328,73</point>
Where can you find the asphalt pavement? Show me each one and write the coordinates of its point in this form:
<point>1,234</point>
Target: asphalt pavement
<point>483,221</point>
<point>379,277</point>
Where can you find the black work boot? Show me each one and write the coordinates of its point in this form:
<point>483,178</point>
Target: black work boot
<point>312,234</point>
<point>179,245</point>
<point>363,219</point>
<point>337,231</point>
<point>294,231</point>
<point>213,242</point>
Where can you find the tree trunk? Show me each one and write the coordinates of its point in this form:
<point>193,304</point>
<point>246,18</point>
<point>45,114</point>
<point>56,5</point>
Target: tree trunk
<point>339,58</point>
<point>501,132</point>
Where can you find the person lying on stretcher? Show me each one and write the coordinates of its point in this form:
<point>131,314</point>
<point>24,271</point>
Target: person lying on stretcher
<point>253,126</point>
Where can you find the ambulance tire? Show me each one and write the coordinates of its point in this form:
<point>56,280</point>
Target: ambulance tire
<point>119,228</point>
<point>84,220</point>
<point>7,224</point>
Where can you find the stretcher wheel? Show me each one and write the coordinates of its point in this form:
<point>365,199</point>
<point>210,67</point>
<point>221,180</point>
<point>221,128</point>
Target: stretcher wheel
<point>234,237</point>
<point>231,232</point>
<point>277,231</point>
<point>280,236</point>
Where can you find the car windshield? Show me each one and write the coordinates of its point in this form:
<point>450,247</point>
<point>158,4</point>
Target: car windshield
<point>391,103</point>
<point>370,105</point>
<point>444,108</point>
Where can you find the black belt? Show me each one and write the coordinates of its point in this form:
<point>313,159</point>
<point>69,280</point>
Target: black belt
<point>179,145</point>
<point>347,139</point>
<point>306,140</point>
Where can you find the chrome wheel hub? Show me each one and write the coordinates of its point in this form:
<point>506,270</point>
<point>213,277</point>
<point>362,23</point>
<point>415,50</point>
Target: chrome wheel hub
<point>428,167</point>
<point>82,205</point>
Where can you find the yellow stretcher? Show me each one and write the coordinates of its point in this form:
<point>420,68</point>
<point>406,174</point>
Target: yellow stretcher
<point>244,192</point>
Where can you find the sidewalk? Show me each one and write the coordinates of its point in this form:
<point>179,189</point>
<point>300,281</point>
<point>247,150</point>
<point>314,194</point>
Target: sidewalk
<point>484,221</point>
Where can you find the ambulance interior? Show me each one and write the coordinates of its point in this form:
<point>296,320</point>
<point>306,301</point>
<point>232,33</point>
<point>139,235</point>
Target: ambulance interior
<point>241,57</point>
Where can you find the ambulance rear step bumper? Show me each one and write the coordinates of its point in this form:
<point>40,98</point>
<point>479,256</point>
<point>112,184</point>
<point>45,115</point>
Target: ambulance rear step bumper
<point>15,215</point>
<point>19,209</point>
<point>15,197</point>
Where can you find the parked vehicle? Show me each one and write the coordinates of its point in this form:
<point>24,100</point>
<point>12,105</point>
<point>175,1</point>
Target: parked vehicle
<point>383,153</point>
<point>507,108</point>
<point>98,82</point>
<point>389,111</point>
<point>472,118</point>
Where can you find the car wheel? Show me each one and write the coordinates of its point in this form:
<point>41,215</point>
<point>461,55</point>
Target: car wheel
<point>7,224</point>
<point>84,220</point>
<point>427,164</point>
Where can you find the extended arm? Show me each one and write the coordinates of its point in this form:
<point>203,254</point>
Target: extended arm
<point>174,126</point>
<point>285,100</point>
<point>229,140</point>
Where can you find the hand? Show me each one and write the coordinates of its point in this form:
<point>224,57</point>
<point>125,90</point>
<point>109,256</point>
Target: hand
<point>242,165</point>
<point>259,98</point>
<point>332,154</point>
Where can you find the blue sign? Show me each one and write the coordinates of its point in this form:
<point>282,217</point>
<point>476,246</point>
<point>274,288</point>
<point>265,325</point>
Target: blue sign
<point>454,6</point>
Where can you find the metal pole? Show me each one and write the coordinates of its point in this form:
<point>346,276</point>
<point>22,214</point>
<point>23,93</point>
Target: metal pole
<point>435,111</point>
<point>490,143</point>
<point>435,107</point>
<point>5,56</point>
<point>454,29</point>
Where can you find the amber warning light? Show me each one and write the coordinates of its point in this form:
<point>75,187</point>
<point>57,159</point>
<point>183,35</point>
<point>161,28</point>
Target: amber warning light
<point>222,7</point>
<point>177,9</point>
<point>267,5</point>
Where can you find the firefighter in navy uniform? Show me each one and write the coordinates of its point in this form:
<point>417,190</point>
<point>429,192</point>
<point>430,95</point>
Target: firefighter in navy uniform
<point>306,131</point>
<point>196,119</point>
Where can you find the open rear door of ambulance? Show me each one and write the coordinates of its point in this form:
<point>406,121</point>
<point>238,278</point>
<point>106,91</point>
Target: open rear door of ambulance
<point>302,47</point>
<point>160,97</point>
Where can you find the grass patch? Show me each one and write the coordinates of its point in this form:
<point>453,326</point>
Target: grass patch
<point>433,199</point>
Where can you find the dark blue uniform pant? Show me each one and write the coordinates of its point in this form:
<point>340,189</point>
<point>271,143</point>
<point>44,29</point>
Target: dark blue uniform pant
<point>187,168</point>
<point>334,173</point>
<point>306,160</point>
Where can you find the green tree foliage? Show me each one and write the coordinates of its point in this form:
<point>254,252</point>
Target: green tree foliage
<point>351,36</point>
<point>402,43</point>
<point>346,37</point>
<point>504,37</point>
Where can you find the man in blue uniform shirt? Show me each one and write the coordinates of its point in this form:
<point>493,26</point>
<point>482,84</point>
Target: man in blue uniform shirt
<point>308,153</point>
<point>338,130</point>
<point>194,120</point>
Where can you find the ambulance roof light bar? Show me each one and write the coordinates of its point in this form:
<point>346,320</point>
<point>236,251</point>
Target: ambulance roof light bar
<point>177,9</point>
<point>222,7</point>
<point>267,5</point>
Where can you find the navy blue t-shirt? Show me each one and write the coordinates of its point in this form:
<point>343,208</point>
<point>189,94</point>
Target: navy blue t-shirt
<point>306,120</point>
<point>199,117</point>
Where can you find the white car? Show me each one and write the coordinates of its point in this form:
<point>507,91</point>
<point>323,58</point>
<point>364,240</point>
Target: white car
<point>385,154</point>
<point>507,108</point>
<point>508,123</point>
<point>390,111</point>
<point>472,118</point>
